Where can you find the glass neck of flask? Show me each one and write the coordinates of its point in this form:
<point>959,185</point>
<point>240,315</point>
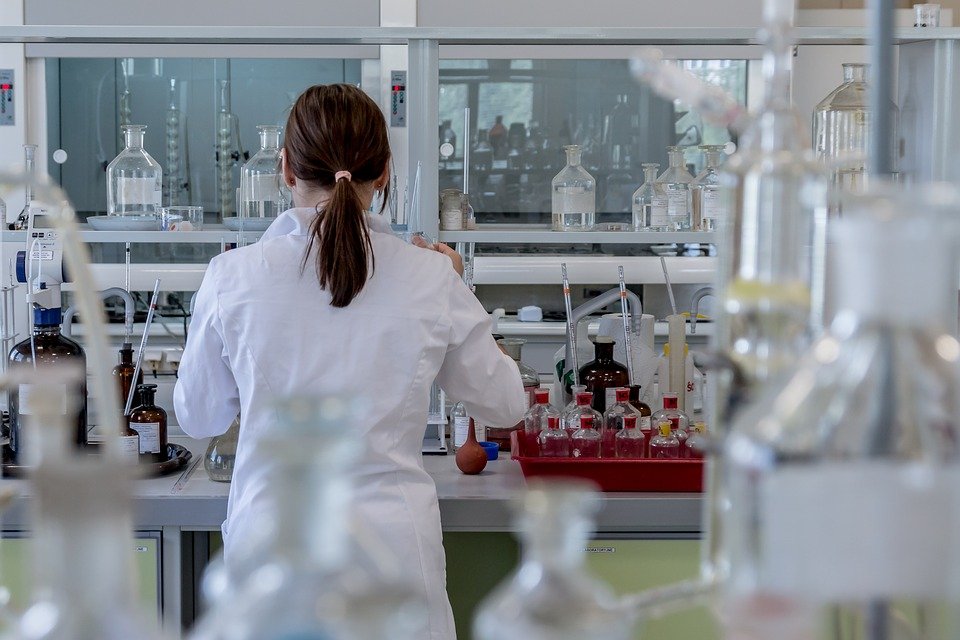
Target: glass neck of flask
<point>676,158</point>
<point>603,351</point>
<point>555,542</point>
<point>269,138</point>
<point>48,330</point>
<point>650,174</point>
<point>573,156</point>
<point>712,159</point>
<point>133,137</point>
<point>854,72</point>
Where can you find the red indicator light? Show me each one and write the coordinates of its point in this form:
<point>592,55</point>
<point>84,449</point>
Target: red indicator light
<point>5,87</point>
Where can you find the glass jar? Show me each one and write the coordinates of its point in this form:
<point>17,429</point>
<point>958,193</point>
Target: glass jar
<point>134,178</point>
<point>675,182</point>
<point>260,178</point>
<point>574,201</point>
<point>513,347</point>
<point>453,210</point>
<point>708,202</point>
<point>650,202</point>
<point>603,374</point>
<point>221,454</point>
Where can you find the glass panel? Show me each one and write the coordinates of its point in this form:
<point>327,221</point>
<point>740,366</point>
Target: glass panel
<point>524,111</point>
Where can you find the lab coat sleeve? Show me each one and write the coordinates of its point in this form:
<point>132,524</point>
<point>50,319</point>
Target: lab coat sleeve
<point>474,370</point>
<point>206,398</point>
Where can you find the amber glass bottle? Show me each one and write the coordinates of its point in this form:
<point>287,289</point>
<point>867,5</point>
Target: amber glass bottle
<point>603,375</point>
<point>123,373</point>
<point>50,348</point>
<point>643,423</point>
<point>150,422</point>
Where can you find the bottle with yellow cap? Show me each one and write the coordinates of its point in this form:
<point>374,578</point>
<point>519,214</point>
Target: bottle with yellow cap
<point>665,445</point>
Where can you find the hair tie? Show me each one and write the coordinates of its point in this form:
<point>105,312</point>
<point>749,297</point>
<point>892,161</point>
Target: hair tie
<point>342,174</point>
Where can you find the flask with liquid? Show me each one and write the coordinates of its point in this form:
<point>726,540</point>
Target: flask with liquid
<point>708,200</point>
<point>650,202</point>
<point>221,454</point>
<point>677,419</point>
<point>259,177</point>
<point>570,420</point>
<point>630,442</point>
<point>123,373</point>
<point>554,441</point>
<point>644,412</point>
<point>613,420</point>
<point>603,374</point>
<point>551,594</point>
<point>675,182</point>
<point>134,178</point>
<point>150,422</point>
<point>574,202</point>
<point>664,445</point>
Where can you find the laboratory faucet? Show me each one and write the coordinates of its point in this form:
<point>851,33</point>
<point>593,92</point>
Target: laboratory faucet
<point>599,302</point>
<point>129,307</point>
<point>699,295</point>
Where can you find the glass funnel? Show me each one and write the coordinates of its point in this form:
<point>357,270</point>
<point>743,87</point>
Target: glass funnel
<point>675,182</point>
<point>708,203</point>
<point>650,202</point>
<point>842,480</point>
<point>550,596</point>
<point>134,178</point>
<point>260,179</point>
<point>306,577</point>
<point>574,202</point>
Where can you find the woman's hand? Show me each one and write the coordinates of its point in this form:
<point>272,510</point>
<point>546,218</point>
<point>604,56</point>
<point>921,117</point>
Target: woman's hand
<point>439,247</point>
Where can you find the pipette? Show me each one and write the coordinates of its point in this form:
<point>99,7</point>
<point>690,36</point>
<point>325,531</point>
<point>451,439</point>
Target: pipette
<point>143,345</point>
<point>571,330</point>
<point>666,277</point>
<point>628,348</point>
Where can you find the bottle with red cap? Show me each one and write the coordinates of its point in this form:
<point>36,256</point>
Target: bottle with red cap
<point>585,441</point>
<point>679,423</point>
<point>630,441</point>
<point>535,419</point>
<point>571,418</point>
<point>665,445</point>
<point>554,441</point>
<point>613,421</point>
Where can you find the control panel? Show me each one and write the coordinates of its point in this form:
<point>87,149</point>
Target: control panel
<point>398,98</point>
<point>6,98</point>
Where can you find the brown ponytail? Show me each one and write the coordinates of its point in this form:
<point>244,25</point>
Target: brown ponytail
<point>331,129</point>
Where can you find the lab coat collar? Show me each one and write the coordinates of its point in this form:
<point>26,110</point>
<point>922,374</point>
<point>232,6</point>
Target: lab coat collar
<point>296,222</point>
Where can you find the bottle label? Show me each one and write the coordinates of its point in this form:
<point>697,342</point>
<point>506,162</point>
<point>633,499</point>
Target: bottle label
<point>480,431</point>
<point>609,398</point>
<point>24,407</point>
<point>461,427</point>
<point>141,191</point>
<point>677,202</point>
<point>712,204</point>
<point>451,219</point>
<point>659,216</point>
<point>645,423</point>
<point>129,447</point>
<point>149,436</point>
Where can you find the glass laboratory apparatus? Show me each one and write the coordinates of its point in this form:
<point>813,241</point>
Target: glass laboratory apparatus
<point>672,414</point>
<point>665,445</point>
<point>134,178</point>
<point>259,177</point>
<point>551,596</point>
<point>221,454</point>
<point>570,419</point>
<point>123,373</point>
<point>841,130</point>
<point>613,420</point>
<point>603,375</point>
<point>676,183</point>
<point>709,205</point>
<point>305,578</point>
<point>585,441</point>
<point>229,151</point>
<point>650,202</point>
<point>574,202</point>
<point>554,441</point>
<point>630,443</point>
<point>172,175</point>
<point>833,473</point>
<point>537,417</point>
<point>513,347</point>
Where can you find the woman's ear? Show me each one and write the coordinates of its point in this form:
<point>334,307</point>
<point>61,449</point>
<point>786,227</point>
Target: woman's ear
<point>384,178</point>
<point>288,178</point>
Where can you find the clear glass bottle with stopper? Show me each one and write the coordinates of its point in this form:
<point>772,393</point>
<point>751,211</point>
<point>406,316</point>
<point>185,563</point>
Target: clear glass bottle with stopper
<point>630,443</point>
<point>709,204</point>
<point>613,420</point>
<point>574,202</point>
<point>585,441</point>
<point>537,417</point>
<point>676,182</point>
<point>259,178</point>
<point>134,178</point>
<point>554,441</point>
<point>570,419</point>
<point>551,596</point>
<point>650,202</point>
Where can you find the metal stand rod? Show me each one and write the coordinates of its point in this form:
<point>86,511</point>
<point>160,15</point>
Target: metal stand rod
<point>880,21</point>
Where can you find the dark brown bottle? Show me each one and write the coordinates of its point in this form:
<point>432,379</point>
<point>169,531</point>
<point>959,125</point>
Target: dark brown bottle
<point>150,422</point>
<point>643,423</point>
<point>603,374</point>
<point>123,373</point>
<point>50,348</point>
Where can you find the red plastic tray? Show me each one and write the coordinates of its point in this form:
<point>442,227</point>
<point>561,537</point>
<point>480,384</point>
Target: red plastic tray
<point>666,476</point>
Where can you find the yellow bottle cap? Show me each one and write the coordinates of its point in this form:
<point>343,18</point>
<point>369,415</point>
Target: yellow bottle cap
<point>664,428</point>
<point>700,427</point>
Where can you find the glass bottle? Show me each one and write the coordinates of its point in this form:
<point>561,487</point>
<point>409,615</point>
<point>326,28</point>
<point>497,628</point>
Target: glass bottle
<point>675,182</point>
<point>537,416</point>
<point>134,178</point>
<point>554,441</point>
<point>309,576</point>
<point>585,441</point>
<point>575,390</point>
<point>650,202</point>
<point>551,595</point>
<point>221,454</point>
<point>460,420</point>
<point>150,422</point>
<point>574,202</point>
<point>613,420</point>
<point>513,347</point>
<point>260,177</point>
<point>571,418</point>
<point>630,442</point>
<point>50,347</point>
<point>697,442</point>
<point>841,130</point>
<point>645,413</point>
<point>123,373</point>
<point>678,420</point>
<point>859,443</point>
<point>709,205</point>
<point>603,374</point>
<point>664,445</point>
<point>482,155</point>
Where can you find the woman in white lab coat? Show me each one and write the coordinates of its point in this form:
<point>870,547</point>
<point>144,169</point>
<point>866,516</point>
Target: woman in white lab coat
<point>329,302</point>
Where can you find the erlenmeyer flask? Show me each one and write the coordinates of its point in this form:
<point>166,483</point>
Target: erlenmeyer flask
<point>551,596</point>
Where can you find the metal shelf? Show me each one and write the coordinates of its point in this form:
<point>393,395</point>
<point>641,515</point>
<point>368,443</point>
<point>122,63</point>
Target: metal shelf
<point>214,234</point>
<point>541,234</point>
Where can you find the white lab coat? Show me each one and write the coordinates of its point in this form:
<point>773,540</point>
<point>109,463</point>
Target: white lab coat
<point>260,329</point>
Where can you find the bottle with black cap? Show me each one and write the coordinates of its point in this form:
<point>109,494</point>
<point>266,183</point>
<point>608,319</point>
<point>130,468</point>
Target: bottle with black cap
<point>45,346</point>
<point>150,422</point>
